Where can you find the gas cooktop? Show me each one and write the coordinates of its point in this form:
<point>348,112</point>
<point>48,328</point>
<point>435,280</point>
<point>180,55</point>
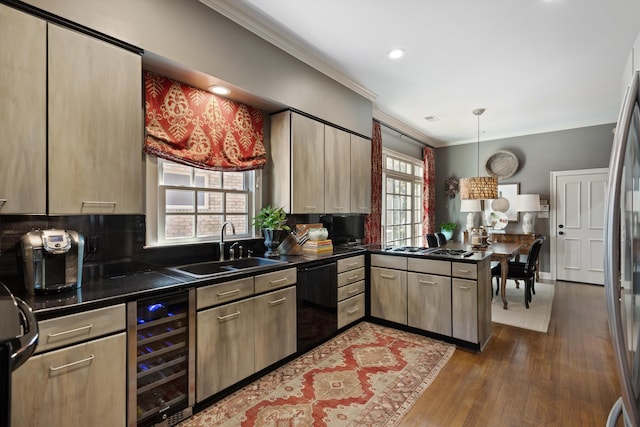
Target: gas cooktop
<point>434,252</point>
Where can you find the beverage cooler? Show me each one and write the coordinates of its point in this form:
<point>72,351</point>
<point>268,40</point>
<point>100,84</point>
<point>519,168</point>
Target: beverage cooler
<point>161,356</point>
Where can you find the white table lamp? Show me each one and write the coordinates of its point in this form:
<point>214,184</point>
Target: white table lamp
<point>470,206</point>
<point>527,203</point>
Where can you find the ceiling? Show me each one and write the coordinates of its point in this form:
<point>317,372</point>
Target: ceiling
<point>534,65</point>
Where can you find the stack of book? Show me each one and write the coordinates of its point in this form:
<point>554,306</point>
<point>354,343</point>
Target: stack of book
<point>318,247</point>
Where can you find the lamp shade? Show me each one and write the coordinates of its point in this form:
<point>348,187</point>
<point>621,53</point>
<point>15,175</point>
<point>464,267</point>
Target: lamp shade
<point>479,188</point>
<point>528,202</point>
<point>470,206</point>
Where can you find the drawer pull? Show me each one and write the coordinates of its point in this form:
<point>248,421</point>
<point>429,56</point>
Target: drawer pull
<point>352,264</point>
<point>3,202</point>
<point>353,310</point>
<point>275,282</point>
<point>426,282</point>
<point>464,271</point>
<point>68,365</point>
<point>71,331</point>
<point>226,294</point>
<point>278,301</point>
<point>353,277</point>
<point>229,316</point>
<point>387,276</point>
<point>353,291</point>
<point>465,288</point>
<point>308,208</point>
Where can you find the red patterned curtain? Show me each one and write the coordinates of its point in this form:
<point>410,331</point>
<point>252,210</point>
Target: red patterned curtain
<point>197,128</point>
<point>428,193</point>
<point>373,221</point>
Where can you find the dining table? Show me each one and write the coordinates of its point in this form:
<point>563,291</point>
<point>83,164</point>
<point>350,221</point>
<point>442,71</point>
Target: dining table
<point>500,252</point>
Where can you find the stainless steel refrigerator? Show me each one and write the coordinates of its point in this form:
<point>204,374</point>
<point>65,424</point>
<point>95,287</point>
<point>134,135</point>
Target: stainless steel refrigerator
<point>622,256</point>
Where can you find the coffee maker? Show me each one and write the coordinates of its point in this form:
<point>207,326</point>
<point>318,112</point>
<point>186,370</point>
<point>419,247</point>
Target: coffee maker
<point>51,260</point>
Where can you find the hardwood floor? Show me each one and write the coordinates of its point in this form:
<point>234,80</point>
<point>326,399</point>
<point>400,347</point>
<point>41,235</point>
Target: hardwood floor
<point>566,377</point>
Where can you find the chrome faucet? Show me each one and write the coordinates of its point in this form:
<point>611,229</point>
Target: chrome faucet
<point>221,244</point>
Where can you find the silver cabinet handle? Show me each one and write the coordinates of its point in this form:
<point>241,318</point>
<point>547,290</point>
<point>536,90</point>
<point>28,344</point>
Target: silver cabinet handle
<point>353,277</point>
<point>353,291</point>
<point>278,301</point>
<point>426,282</point>
<point>353,310</point>
<point>229,316</point>
<point>97,202</point>
<point>464,288</point>
<point>352,264</point>
<point>68,365</point>
<point>3,202</point>
<point>71,331</point>
<point>464,271</point>
<point>308,208</point>
<point>226,294</point>
<point>387,276</point>
<point>276,281</point>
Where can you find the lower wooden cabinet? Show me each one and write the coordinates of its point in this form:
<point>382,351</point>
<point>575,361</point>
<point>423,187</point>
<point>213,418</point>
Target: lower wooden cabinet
<point>275,327</point>
<point>464,303</point>
<point>389,294</point>
<point>350,310</point>
<point>79,385</point>
<point>429,302</point>
<point>225,347</point>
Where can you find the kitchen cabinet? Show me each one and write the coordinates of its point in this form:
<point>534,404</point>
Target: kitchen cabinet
<point>275,327</point>
<point>225,347</point>
<point>78,380</point>
<point>388,297</point>
<point>245,334</point>
<point>429,302</point>
<point>351,286</point>
<point>464,301</point>
<point>95,126</point>
<point>314,165</point>
<point>471,295</point>
<point>337,187</point>
<point>23,114</point>
<point>360,175</point>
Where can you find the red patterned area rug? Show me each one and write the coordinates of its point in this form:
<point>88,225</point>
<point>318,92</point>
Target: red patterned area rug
<point>369,375</point>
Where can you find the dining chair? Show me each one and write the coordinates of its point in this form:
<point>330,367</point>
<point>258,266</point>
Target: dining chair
<point>432,240</point>
<point>525,271</point>
<point>442,240</point>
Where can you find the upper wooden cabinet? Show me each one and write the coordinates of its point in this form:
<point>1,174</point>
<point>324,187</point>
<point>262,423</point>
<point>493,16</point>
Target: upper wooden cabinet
<point>314,167</point>
<point>95,126</point>
<point>23,114</point>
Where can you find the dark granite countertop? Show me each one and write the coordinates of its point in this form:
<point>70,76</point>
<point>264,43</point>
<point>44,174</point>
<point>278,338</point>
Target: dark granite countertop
<point>103,291</point>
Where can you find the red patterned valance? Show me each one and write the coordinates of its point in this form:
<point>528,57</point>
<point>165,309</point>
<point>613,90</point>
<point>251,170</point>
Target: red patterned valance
<point>197,128</point>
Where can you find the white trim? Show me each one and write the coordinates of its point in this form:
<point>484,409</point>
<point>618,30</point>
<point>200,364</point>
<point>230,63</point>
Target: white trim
<point>553,220</point>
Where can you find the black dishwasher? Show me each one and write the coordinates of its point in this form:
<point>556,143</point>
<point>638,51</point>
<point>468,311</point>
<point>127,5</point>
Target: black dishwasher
<point>317,304</point>
<point>161,333</point>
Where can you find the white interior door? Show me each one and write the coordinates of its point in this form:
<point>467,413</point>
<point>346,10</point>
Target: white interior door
<point>578,227</point>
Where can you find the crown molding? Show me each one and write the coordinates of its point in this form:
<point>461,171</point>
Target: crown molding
<point>273,33</point>
<point>399,126</point>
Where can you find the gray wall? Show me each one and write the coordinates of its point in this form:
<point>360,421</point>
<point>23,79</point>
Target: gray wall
<point>538,155</point>
<point>402,144</point>
<point>197,38</point>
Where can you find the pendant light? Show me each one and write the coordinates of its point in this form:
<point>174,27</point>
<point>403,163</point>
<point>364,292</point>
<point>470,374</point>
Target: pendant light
<point>479,187</point>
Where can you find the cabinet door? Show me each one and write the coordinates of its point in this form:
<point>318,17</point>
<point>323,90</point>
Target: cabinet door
<point>81,385</point>
<point>95,126</point>
<point>307,157</point>
<point>429,302</point>
<point>23,115</point>
<point>464,306</point>
<point>337,161</point>
<point>389,294</point>
<point>275,326</point>
<point>360,175</point>
<point>225,347</point>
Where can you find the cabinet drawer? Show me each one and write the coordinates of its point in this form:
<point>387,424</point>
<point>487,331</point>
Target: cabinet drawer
<point>430,266</point>
<point>223,292</point>
<point>350,290</point>
<point>78,327</point>
<point>275,280</point>
<point>352,263</point>
<point>464,270</point>
<point>389,261</point>
<point>350,310</point>
<point>350,277</point>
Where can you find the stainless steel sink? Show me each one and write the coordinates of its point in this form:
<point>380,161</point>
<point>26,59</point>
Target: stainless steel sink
<point>212,268</point>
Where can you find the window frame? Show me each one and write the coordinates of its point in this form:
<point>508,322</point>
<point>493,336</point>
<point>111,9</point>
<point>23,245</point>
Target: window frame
<point>156,198</point>
<point>416,238</point>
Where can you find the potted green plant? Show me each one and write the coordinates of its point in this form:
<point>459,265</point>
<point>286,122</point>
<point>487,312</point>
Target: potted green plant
<point>447,228</point>
<point>271,220</point>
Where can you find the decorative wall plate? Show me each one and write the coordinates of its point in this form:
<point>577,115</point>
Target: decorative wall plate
<point>502,164</point>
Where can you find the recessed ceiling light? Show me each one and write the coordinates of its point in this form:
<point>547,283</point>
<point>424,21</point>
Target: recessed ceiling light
<point>396,53</point>
<point>219,90</point>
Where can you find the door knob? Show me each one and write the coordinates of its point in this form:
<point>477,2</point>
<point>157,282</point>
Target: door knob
<point>561,233</point>
<point>561,226</point>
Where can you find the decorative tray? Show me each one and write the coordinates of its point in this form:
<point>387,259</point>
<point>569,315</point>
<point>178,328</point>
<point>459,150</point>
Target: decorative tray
<point>502,164</point>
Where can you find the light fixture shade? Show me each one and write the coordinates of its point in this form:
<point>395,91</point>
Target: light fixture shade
<point>528,202</point>
<point>470,206</point>
<point>479,188</point>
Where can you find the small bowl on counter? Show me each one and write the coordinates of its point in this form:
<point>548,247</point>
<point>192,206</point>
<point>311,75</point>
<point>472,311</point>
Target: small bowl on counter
<point>318,234</point>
